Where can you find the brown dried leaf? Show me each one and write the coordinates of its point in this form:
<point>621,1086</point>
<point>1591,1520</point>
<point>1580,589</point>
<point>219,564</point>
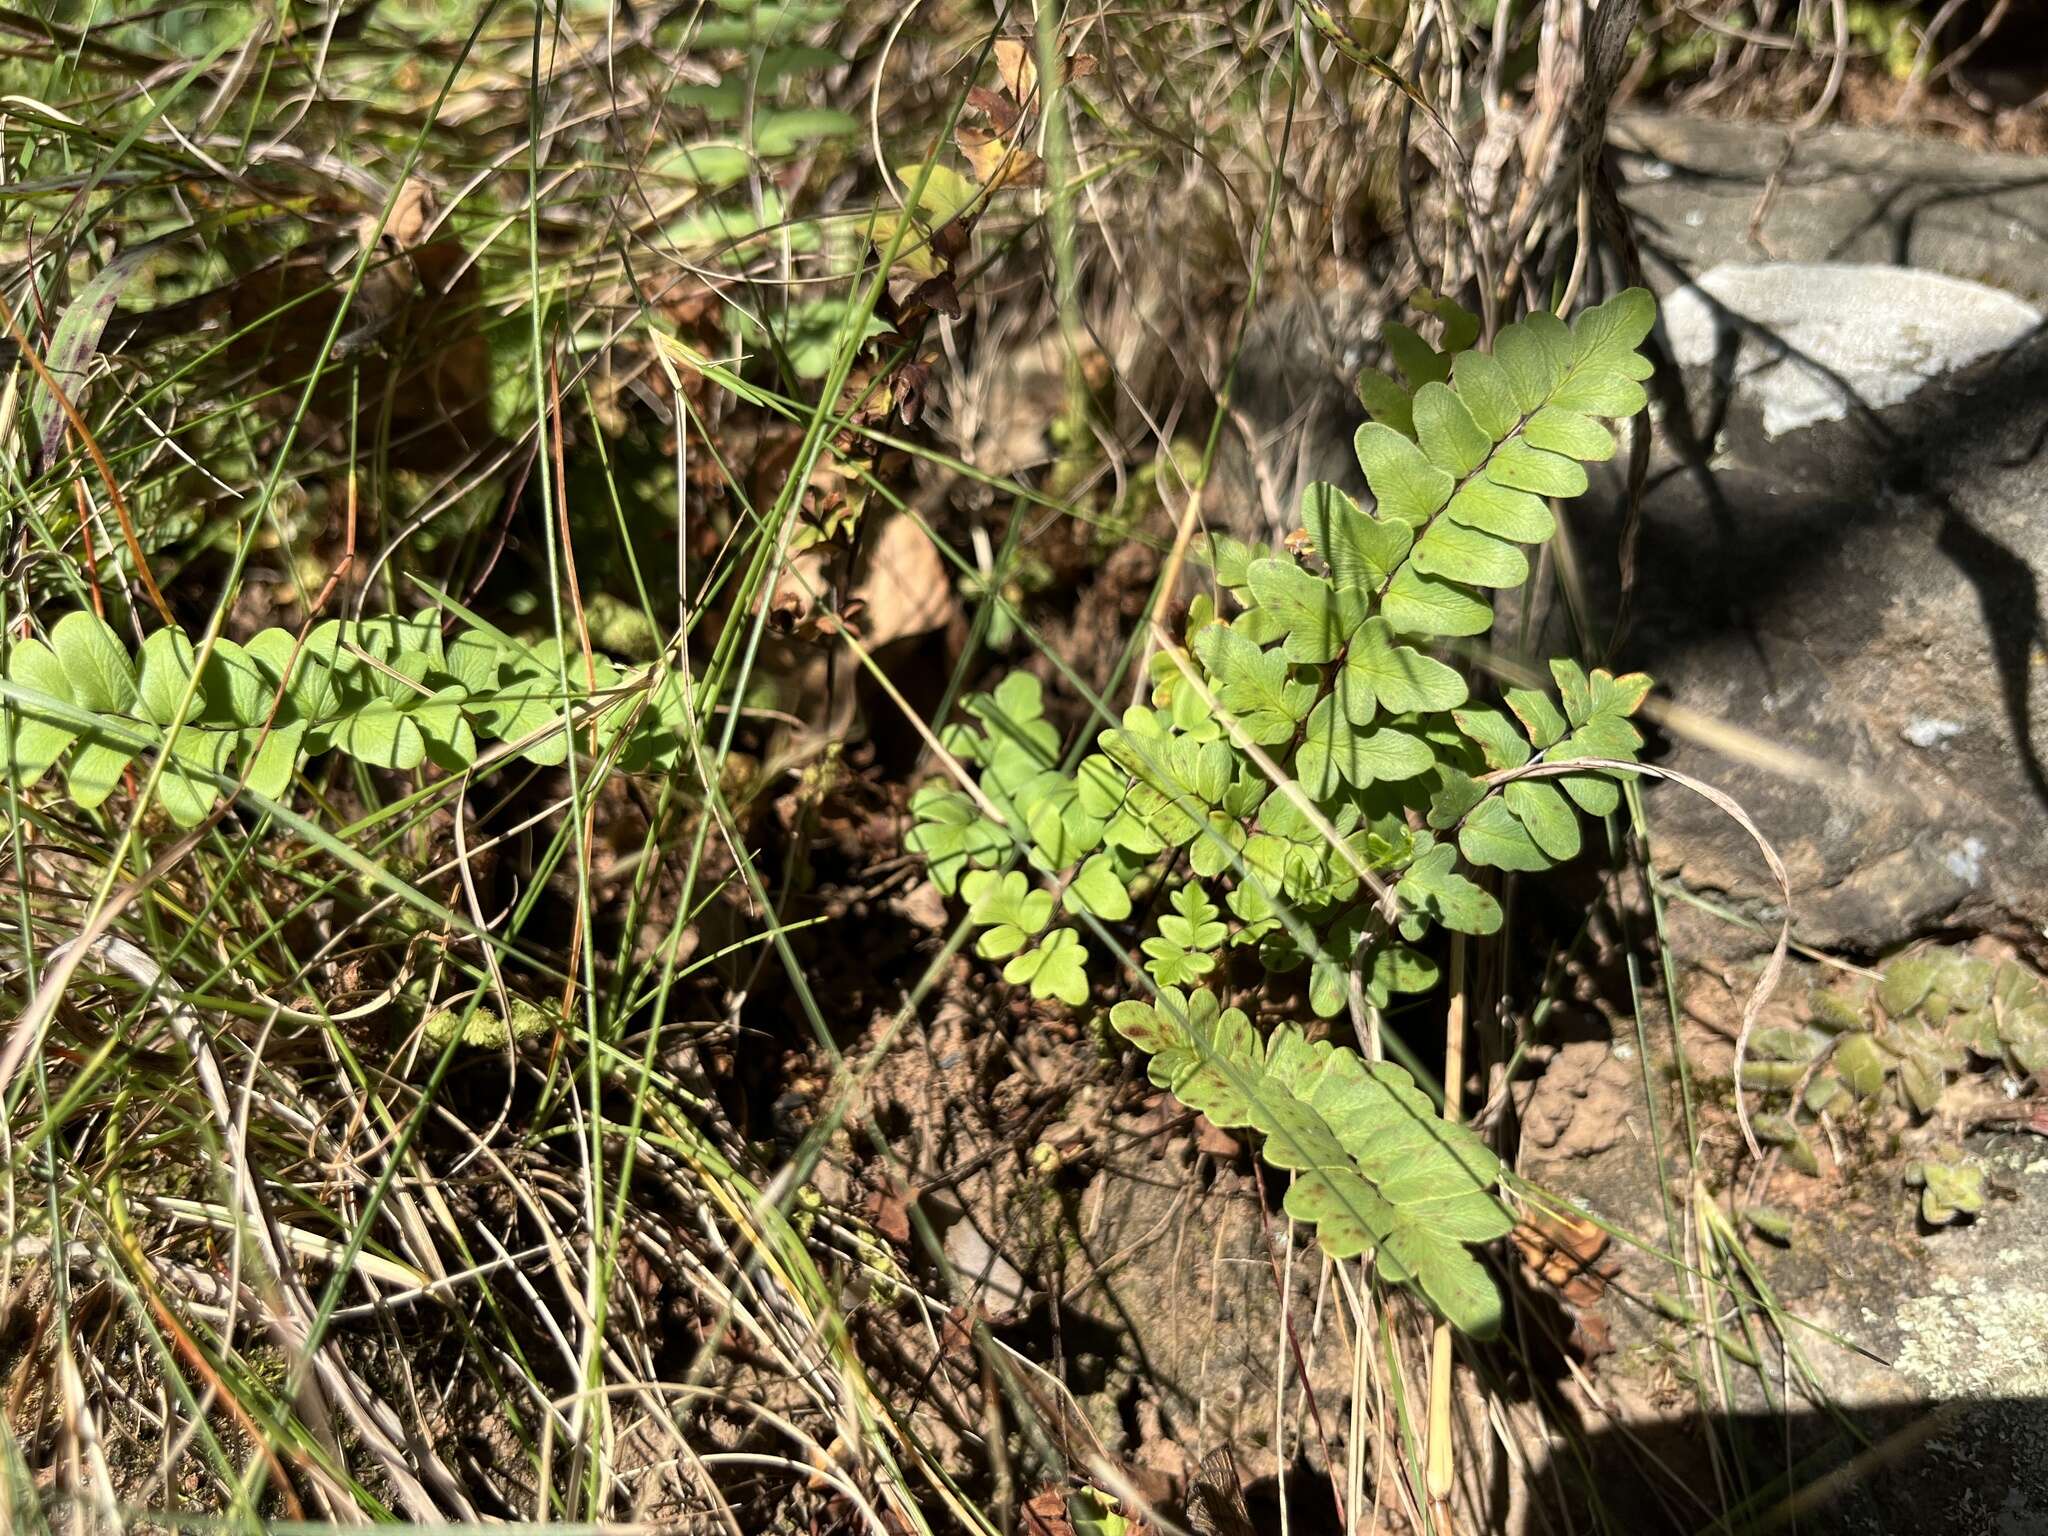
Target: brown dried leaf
<point>888,1212</point>
<point>996,162</point>
<point>1591,1337</point>
<point>997,107</point>
<point>1014,62</point>
<point>1562,1253</point>
<point>1214,1140</point>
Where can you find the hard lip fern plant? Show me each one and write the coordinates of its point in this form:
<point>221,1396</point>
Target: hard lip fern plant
<point>389,692</point>
<point>1309,784</point>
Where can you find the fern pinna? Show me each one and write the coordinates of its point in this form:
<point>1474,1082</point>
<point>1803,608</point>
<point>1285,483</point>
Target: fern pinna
<point>389,692</point>
<point>1310,784</point>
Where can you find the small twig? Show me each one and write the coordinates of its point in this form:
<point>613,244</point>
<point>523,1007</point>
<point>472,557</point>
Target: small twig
<point>1836,69</point>
<point>1440,1468</point>
<point>99,460</point>
<point>1767,983</point>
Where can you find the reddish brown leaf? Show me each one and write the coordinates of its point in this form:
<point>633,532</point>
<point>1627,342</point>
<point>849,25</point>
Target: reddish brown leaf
<point>1214,1140</point>
<point>1045,1514</point>
<point>888,1212</point>
<point>997,107</point>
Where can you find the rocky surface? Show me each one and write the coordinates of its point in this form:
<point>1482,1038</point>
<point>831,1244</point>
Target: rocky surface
<point>1929,1343</point>
<point>1859,594</point>
<point>1703,192</point>
<point>1843,542</point>
<point>1811,341</point>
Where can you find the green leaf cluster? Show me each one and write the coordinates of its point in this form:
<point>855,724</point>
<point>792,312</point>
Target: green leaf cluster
<point>388,692</point>
<point>1949,1191</point>
<point>1376,1169</point>
<point>1902,1039</point>
<point>1312,781</point>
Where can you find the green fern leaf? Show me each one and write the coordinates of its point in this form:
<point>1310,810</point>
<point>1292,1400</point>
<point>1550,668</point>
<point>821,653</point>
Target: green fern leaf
<point>1390,761</point>
<point>1451,439</point>
<point>166,666</point>
<point>1376,1168</point>
<point>189,784</point>
<point>1315,617</point>
<point>1254,685</point>
<point>1483,386</point>
<point>1358,549</point>
<point>1405,484</point>
<point>1432,885</point>
<point>1008,907</point>
<point>1057,967</point>
<point>1387,402</point>
<point>1493,837</point>
<point>1416,358</point>
<point>1098,890</point>
<point>1539,717</point>
<point>953,835</point>
<point>95,663</point>
<point>1334,751</point>
<point>1502,511</point>
<point>1397,678</point>
<point>1458,553</point>
<point>1544,814</point>
<point>1417,604</point>
<point>29,745</point>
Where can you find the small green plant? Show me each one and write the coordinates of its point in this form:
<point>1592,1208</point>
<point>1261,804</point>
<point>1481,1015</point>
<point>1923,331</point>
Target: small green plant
<point>1308,784</point>
<point>1949,1191</point>
<point>1902,1038</point>
<point>389,692</point>
<point>1899,1041</point>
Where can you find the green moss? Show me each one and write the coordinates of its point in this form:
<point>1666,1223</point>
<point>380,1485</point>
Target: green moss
<point>484,1027</point>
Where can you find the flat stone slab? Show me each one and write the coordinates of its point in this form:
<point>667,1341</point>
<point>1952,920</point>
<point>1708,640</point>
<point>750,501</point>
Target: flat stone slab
<point>1843,555</point>
<point>1949,1369</point>
<point>1814,340</point>
<point>1704,192</point>
<point>1850,562</point>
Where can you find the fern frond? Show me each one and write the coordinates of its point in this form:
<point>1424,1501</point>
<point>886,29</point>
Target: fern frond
<point>386,692</point>
<point>1377,1170</point>
<point>1395,777</point>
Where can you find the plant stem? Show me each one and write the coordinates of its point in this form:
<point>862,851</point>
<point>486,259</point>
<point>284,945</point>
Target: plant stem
<point>1440,1341</point>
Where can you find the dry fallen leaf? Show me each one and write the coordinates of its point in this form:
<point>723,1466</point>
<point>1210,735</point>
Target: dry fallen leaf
<point>1562,1252</point>
<point>1017,67</point>
<point>996,163</point>
<point>1214,1140</point>
<point>888,1212</point>
<point>1016,62</point>
<point>997,107</point>
<point>903,585</point>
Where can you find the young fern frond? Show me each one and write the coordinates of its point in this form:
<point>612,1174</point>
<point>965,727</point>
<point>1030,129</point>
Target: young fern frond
<point>388,692</point>
<point>1395,772</point>
<point>1376,1169</point>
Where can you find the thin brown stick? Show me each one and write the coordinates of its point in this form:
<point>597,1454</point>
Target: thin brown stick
<point>1441,1467</point>
<point>188,1349</point>
<point>99,459</point>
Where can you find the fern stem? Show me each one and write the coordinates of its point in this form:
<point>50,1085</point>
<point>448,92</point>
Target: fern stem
<point>1439,1473</point>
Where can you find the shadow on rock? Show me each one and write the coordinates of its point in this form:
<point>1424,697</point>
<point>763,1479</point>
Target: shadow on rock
<point>1967,1468</point>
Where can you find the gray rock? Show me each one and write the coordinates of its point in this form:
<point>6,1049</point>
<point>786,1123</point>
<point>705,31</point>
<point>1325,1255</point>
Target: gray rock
<point>1933,1343</point>
<point>1815,339</point>
<point>1865,590</point>
<point>1704,192</point>
<point>1851,572</point>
